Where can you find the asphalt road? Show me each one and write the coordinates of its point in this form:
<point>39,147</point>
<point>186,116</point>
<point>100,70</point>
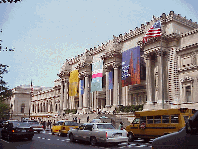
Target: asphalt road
<point>46,140</point>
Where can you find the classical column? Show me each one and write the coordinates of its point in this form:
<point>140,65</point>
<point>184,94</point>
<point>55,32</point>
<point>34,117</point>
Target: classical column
<point>80,95</point>
<point>160,80</point>
<point>62,95</point>
<point>48,106</point>
<point>85,102</point>
<point>148,80</point>
<point>115,93</point>
<point>107,89</point>
<point>65,104</point>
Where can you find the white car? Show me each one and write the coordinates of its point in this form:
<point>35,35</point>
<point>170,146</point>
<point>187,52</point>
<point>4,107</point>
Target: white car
<point>98,133</point>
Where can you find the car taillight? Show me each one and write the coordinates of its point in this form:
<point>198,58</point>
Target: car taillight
<point>106,135</point>
<point>13,130</point>
<point>42,126</point>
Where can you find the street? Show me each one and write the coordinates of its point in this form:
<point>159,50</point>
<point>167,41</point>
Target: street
<point>45,140</point>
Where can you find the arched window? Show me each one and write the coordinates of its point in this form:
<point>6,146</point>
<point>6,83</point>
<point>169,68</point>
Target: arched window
<point>22,107</point>
<point>44,107</point>
<point>33,108</point>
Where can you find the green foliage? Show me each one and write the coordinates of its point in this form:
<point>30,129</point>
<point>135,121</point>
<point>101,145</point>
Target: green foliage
<point>131,108</point>
<point>73,111</point>
<point>5,93</point>
<point>4,110</point>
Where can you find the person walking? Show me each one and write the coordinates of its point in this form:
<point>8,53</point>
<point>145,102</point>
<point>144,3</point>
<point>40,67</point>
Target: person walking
<point>121,127</point>
<point>87,119</point>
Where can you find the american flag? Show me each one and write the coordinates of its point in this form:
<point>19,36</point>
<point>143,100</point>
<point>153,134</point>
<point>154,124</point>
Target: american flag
<point>154,31</point>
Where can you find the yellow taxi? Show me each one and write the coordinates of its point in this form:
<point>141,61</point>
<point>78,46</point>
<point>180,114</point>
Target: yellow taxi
<point>66,126</point>
<point>57,126</point>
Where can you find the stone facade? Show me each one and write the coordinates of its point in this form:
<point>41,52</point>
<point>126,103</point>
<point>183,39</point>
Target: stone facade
<point>169,63</point>
<point>20,101</point>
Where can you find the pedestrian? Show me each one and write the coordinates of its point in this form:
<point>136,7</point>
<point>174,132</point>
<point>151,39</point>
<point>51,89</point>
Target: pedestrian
<point>121,126</point>
<point>87,119</point>
<point>79,120</point>
<point>76,119</point>
<point>50,124</point>
<point>44,124</point>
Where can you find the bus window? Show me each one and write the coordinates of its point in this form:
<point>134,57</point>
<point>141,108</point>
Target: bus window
<point>136,121</point>
<point>157,119</point>
<point>142,119</point>
<point>150,119</point>
<point>174,119</point>
<point>165,118</point>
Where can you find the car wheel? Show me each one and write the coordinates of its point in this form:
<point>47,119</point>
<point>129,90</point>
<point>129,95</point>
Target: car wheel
<point>130,137</point>
<point>93,141</point>
<point>146,139</point>
<point>71,138</point>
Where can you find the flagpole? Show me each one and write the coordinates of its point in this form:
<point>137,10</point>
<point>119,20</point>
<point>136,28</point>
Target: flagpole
<point>162,73</point>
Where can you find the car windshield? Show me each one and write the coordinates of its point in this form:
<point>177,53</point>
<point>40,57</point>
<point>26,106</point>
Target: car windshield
<point>60,123</point>
<point>20,124</point>
<point>105,126</point>
<point>71,123</point>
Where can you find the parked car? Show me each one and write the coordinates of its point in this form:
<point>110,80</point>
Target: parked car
<point>96,121</point>
<point>98,133</point>
<point>67,125</point>
<point>16,129</point>
<point>187,138</point>
<point>57,127</point>
<point>35,125</point>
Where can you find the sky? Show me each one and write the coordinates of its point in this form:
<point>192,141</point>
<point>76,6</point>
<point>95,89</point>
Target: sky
<point>44,33</point>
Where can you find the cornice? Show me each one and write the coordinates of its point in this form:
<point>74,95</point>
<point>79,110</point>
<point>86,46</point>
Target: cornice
<point>82,65</point>
<point>194,31</point>
<point>194,45</point>
<point>111,54</point>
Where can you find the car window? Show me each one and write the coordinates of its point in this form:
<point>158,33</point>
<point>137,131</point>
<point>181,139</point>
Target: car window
<point>70,123</point>
<point>60,123</point>
<point>157,119</point>
<point>105,126</point>
<point>142,119</point>
<point>20,124</point>
<point>88,127</point>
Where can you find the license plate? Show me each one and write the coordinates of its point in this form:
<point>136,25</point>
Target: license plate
<point>23,130</point>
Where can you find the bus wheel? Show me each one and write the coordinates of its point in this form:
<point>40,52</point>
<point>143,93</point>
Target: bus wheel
<point>131,138</point>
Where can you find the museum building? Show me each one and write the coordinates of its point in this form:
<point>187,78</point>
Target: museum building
<point>160,72</point>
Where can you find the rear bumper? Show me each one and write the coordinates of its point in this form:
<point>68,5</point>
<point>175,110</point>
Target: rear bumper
<point>22,135</point>
<point>38,129</point>
<point>114,140</point>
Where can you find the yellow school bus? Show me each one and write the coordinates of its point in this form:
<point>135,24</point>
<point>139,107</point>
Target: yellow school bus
<point>155,123</point>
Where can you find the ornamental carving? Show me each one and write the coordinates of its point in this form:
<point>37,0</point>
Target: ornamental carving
<point>186,79</point>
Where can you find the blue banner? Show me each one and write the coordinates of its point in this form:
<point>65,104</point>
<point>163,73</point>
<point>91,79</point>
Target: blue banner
<point>110,86</point>
<point>131,66</point>
<point>81,82</point>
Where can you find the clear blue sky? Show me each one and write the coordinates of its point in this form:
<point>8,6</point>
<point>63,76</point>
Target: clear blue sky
<point>46,32</point>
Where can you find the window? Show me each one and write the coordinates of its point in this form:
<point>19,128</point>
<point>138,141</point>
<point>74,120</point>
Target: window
<point>142,119</point>
<point>22,107</point>
<point>174,118</point>
<point>188,93</point>
<point>165,118</point>
<point>149,119</point>
<point>88,127</point>
<point>136,121</point>
<point>105,126</point>
<point>157,119</point>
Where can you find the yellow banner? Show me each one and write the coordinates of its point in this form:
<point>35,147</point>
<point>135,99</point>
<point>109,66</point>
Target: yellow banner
<point>73,83</point>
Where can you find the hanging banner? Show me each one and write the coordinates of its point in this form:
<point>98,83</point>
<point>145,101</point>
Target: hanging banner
<point>81,82</point>
<point>131,66</point>
<point>110,78</point>
<point>73,82</point>
<point>97,73</point>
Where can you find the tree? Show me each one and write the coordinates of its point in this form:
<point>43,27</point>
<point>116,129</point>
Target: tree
<point>5,92</point>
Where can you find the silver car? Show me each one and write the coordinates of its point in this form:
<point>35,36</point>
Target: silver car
<point>98,133</point>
